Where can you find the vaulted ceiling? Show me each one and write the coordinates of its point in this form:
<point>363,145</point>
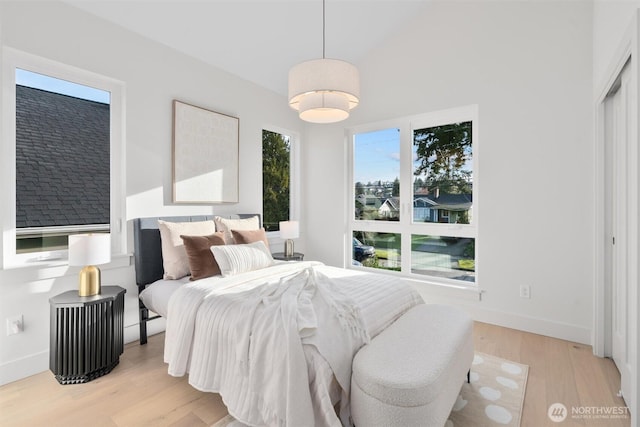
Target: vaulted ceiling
<point>260,40</point>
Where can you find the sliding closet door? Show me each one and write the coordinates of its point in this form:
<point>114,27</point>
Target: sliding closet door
<point>618,140</point>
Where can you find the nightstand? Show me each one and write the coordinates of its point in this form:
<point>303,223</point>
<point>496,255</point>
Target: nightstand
<point>297,256</point>
<point>87,334</point>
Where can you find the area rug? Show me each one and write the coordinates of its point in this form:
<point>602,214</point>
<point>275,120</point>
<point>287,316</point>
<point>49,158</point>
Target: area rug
<point>495,395</point>
<point>493,398</point>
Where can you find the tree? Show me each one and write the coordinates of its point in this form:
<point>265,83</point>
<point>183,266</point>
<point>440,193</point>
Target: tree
<point>442,154</point>
<point>275,179</point>
<point>359,188</point>
<point>395,192</point>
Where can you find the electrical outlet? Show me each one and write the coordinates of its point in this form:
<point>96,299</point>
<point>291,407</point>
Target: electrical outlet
<point>525,291</point>
<point>15,325</point>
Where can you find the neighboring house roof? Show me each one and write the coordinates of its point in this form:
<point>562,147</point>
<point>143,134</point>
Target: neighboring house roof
<point>450,202</point>
<point>393,203</point>
<point>419,198</point>
<point>369,200</point>
<point>454,202</point>
<point>62,160</point>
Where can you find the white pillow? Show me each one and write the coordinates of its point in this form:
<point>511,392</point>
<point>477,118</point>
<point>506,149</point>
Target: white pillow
<point>235,259</point>
<point>174,256</point>
<point>226,225</point>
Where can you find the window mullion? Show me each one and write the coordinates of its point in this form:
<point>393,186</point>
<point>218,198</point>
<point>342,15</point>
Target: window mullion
<point>406,195</point>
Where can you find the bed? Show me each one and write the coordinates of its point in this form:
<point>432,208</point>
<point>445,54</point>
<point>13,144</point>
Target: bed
<point>277,342</point>
<point>148,258</point>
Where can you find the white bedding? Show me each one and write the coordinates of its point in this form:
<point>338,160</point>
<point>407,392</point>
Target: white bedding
<point>156,295</point>
<point>277,343</point>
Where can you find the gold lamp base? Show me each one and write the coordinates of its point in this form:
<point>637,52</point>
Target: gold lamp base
<point>89,281</point>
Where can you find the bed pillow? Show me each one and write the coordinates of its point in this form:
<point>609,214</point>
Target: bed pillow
<point>201,261</point>
<point>250,236</point>
<point>236,259</point>
<point>226,225</point>
<point>174,256</point>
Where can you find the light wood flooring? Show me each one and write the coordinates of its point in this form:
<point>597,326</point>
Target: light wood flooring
<point>139,392</point>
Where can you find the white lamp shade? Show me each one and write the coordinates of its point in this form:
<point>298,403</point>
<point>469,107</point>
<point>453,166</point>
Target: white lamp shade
<point>89,249</point>
<point>324,107</point>
<point>324,90</point>
<point>289,229</point>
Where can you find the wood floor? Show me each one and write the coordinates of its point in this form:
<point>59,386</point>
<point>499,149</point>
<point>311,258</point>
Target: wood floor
<point>139,392</point>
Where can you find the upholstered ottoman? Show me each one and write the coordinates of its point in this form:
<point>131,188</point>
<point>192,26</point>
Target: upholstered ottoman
<point>411,373</point>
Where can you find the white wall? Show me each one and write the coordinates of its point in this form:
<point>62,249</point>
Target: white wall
<point>528,66</point>
<point>611,19</point>
<point>323,194</point>
<point>153,75</point>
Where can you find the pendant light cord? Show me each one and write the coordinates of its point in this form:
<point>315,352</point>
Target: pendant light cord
<point>323,29</point>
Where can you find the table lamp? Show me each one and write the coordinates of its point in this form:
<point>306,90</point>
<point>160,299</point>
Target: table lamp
<point>289,230</point>
<point>89,250</point>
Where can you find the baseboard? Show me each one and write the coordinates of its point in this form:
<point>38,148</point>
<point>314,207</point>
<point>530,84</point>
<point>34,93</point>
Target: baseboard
<point>563,331</point>
<point>24,367</point>
<point>535,325</point>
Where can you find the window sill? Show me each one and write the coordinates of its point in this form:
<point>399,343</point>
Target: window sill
<point>433,287</point>
<point>52,269</point>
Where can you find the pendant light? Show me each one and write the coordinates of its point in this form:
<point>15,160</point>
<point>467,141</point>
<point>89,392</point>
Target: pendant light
<point>324,90</point>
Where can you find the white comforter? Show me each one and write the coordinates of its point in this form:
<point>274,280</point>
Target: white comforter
<point>277,343</point>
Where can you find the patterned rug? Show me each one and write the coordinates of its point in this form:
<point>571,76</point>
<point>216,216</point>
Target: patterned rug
<point>493,398</point>
<point>495,395</point>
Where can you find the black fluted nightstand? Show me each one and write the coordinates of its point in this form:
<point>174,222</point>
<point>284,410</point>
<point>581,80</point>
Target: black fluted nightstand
<point>87,334</point>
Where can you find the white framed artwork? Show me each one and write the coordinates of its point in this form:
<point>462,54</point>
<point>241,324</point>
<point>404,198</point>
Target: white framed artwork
<point>205,155</point>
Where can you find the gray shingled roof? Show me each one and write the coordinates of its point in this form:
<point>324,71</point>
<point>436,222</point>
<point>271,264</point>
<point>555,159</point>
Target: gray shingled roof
<point>62,160</point>
<point>454,201</point>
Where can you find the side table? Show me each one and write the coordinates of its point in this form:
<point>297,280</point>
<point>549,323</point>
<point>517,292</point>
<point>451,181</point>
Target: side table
<point>297,256</point>
<point>87,334</point>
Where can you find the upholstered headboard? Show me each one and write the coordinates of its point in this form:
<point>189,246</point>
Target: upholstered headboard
<point>147,247</point>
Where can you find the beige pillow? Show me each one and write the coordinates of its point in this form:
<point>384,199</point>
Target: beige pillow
<point>174,256</point>
<point>250,236</point>
<point>201,261</point>
<point>226,225</point>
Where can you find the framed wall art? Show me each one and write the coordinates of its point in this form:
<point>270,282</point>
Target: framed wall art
<point>205,155</point>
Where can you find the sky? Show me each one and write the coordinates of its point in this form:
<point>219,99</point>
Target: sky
<point>51,84</point>
<point>377,156</point>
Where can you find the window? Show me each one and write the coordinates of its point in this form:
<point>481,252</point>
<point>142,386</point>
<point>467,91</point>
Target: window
<point>377,172</point>
<point>66,161</point>
<point>278,184</point>
<point>413,191</point>
<point>62,161</point>
<point>443,173</point>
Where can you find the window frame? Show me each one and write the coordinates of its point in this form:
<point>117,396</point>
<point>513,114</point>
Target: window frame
<point>294,174</point>
<point>406,226</point>
<point>13,59</point>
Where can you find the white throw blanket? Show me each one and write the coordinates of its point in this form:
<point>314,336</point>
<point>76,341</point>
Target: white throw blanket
<point>269,351</point>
